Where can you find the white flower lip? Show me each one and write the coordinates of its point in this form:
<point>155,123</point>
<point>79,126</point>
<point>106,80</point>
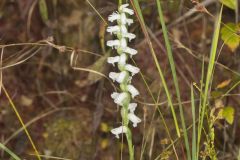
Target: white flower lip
<point>132,107</point>
<point>119,130</point>
<point>134,70</point>
<point>134,92</point>
<point>134,119</point>
<point>124,76</point>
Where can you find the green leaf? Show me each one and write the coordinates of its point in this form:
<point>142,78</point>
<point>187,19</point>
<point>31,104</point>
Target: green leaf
<point>229,35</point>
<point>229,3</point>
<point>43,10</point>
<point>228,114</point>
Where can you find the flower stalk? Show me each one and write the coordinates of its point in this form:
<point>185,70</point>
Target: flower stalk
<point>126,72</point>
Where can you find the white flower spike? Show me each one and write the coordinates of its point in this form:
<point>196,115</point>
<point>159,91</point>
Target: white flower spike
<point>126,71</point>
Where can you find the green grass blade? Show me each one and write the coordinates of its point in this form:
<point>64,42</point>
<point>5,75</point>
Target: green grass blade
<point>143,26</point>
<point>201,93</point>
<point>174,74</point>
<point>194,140</point>
<point>13,155</point>
<point>210,70</point>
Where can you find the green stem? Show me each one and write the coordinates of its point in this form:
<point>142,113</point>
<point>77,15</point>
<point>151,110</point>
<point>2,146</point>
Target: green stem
<point>130,145</point>
<point>129,133</point>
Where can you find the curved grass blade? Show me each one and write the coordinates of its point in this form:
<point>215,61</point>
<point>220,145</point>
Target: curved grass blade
<point>21,121</point>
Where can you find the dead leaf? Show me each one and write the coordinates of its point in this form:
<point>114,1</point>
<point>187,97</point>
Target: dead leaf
<point>26,101</point>
<point>224,84</point>
<point>98,66</point>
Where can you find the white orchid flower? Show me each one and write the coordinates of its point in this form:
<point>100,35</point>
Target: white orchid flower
<point>123,8</point>
<point>132,107</point>
<point>134,70</point>
<point>134,92</point>
<point>134,119</point>
<point>119,130</point>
